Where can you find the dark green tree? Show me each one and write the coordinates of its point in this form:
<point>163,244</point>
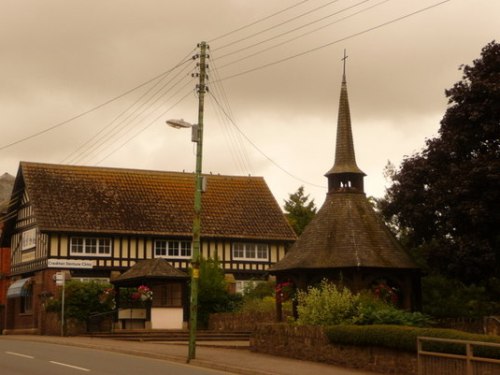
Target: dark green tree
<point>445,199</point>
<point>213,293</point>
<point>299,210</point>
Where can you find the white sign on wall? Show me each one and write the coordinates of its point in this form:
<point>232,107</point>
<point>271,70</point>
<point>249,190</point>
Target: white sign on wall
<point>28,239</point>
<point>70,263</point>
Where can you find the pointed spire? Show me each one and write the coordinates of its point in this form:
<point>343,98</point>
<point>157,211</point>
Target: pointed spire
<point>345,172</point>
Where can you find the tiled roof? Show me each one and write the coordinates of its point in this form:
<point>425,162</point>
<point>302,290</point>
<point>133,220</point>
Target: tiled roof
<point>6,184</point>
<point>110,200</point>
<point>345,233</point>
<point>150,269</point>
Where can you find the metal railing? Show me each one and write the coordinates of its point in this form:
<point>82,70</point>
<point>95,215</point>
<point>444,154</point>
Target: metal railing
<point>438,356</point>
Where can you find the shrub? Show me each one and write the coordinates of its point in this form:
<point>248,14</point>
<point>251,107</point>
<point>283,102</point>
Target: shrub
<point>405,338</point>
<point>213,294</point>
<point>325,305</point>
<point>256,305</point>
<point>371,310</point>
<point>259,290</point>
<point>81,299</point>
<point>455,298</point>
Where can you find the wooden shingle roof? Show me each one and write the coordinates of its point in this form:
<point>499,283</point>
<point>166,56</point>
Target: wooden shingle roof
<point>150,269</point>
<point>345,233</point>
<point>110,200</point>
<point>345,157</point>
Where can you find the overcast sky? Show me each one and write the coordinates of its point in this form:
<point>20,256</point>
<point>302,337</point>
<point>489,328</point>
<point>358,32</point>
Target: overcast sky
<point>274,77</point>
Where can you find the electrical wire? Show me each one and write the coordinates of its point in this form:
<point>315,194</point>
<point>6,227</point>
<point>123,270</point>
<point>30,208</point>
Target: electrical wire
<point>296,29</point>
<point>394,20</point>
<point>258,21</point>
<point>76,155</point>
<point>134,115</point>
<point>144,128</point>
<point>236,145</point>
<point>262,152</point>
<point>277,25</point>
<point>93,109</point>
<point>160,76</point>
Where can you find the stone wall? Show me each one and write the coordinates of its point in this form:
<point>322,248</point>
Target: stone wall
<point>52,326</point>
<point>238,322</point>
<point>310,343</point>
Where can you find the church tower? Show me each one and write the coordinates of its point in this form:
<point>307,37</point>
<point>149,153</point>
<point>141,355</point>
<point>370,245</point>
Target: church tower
<point>347,241</point>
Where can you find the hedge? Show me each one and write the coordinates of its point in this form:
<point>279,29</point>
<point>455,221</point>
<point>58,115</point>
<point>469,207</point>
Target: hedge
<point>405,338</point>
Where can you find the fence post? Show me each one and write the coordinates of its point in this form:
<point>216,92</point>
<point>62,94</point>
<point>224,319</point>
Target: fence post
<point>419,362</point>
<point>468,348</point>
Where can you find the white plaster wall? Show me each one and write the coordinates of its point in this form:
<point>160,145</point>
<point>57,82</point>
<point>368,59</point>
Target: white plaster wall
<point>166,318</point>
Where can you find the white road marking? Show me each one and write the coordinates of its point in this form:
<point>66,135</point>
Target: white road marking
<point>20,355</point>
<point>71,366</point>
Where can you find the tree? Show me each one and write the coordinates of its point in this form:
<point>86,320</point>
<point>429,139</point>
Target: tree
<point>213,295</point>
<point>445,199</point>
<point>299,211</point>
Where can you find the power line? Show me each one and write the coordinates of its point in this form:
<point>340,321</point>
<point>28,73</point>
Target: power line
<point>277,25</point>
<point>336,41</point>
<point>144,128</point>
<point>262,152</point>
<point>6,146</point>
<point>134,115</point>
<point>258,21</point>
<point>234,140</point>
<point>77,154</point>
<point>301,35</point>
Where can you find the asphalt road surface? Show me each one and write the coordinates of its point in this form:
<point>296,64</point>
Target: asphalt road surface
<point>33,358</point>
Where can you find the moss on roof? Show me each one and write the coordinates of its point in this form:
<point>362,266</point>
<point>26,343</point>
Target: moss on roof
<point>345,233</point>
<point>111,200</point>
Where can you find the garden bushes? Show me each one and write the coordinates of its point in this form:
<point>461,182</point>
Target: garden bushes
<point>405,338</point>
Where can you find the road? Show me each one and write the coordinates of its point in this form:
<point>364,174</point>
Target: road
<point>35,358</point>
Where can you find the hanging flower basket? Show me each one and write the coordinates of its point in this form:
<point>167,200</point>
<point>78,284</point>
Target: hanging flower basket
<point>144,293</point>
<point>285,291</point>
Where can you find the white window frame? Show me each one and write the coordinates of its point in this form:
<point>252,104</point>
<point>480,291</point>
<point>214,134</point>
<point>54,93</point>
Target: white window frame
<point>250,251</point>
<point>173,249</point>
<point>103,246</point>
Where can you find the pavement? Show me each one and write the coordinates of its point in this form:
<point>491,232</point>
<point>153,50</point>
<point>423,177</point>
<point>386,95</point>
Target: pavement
<point>233,357</point>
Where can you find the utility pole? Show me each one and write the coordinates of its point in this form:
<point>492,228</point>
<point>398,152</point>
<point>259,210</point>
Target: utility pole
<point>195,262</point>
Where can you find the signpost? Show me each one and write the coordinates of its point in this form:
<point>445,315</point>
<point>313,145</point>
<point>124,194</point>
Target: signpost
<point>61,281</point>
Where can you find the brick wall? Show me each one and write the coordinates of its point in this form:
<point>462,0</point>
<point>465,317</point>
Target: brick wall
<point>311,343</point>
<point>4,273</point>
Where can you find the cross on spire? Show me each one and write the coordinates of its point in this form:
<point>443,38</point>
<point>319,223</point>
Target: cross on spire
<point>344,60</point>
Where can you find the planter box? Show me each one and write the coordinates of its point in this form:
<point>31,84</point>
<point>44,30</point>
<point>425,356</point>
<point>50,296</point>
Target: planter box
<point>132,314</point>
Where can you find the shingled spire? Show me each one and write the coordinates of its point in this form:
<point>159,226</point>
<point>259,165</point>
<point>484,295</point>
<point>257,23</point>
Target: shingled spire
<point>347,242</point>
<point>345,173</point>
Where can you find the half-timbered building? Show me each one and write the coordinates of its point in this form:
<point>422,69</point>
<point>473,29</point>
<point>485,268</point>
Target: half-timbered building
<point>96,223</point>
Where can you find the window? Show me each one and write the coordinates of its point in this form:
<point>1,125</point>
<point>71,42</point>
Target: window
<point>172,249</point>
<point>244,286</point>
<point>168,295</point>
<point>88,246</point>
<point>250,251</point>
<point>27,302</point>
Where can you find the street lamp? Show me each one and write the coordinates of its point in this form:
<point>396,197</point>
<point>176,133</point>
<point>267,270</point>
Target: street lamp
<point>197,136</point>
